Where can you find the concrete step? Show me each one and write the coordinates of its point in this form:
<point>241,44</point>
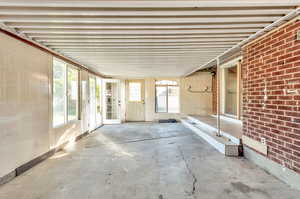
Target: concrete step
<point>213,130</point>
<point>222,144</point>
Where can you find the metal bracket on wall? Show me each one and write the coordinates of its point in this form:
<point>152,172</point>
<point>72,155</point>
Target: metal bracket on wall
<point>291,92</point>
<point>206,90</point>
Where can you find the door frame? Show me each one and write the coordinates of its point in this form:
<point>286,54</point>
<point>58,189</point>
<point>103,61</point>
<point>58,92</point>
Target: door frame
<point>233,63</point>
<point>99,121</point>
<point>143,96</point>
<point>91,128</point>
<point>111,121</point>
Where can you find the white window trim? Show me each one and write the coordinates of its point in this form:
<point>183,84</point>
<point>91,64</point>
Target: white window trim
<point>66,121</point>
<point>67,94</point>
<point>167,96</point>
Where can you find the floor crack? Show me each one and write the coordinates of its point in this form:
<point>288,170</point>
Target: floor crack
<point>190,172</point>
<point>150,139</point>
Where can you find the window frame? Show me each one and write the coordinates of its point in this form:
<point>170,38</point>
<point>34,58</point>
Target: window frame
<point>158,84</point>
<point>156,103</point>
<point>168,89</point>
<point>66,93</point>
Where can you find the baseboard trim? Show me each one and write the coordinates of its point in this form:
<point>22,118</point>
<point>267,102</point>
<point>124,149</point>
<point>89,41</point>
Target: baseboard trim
<point>79,137</point>
<point>8,177</point>
<point>286,175</point>
<point>30,164</point>
<point>21,169</point>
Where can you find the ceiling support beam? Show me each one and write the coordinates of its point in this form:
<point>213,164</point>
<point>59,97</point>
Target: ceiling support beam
<point>42,11</point>
<point>11,32</point>
<point>267,29</point>
<point>137,20</point>
<point>148,4</point>
<point>132,37</point>
<point>136,26</point>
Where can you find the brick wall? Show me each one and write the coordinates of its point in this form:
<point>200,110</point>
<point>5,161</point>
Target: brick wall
<point>270,66</point>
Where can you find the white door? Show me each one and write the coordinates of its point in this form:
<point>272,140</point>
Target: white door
<point>92,102</point>
<point>111,101</point>
<point>85,105</point>
<point>135,100</point>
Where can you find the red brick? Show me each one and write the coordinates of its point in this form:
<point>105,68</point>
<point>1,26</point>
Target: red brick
<point>273,62</point>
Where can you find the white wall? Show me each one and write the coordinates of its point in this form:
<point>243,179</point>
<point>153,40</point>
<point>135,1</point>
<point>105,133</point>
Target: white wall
<point>26,105</point>
<point>196,103</point>
<point>190,103</point>
<point>24,100</point>
<point>26,130</point>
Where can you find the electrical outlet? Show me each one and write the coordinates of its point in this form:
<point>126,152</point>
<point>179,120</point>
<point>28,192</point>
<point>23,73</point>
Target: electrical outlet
<point>263,141</point>
<point>286,164</point>
<point>283,168</point>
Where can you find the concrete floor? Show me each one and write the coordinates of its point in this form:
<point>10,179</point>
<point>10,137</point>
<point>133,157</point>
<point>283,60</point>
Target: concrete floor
<point>144,161</point>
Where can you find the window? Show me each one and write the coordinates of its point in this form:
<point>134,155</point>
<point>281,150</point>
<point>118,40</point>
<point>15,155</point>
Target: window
<point>65,93</point>
<point>72,94</point>
<point>59,90</point>
<point>167,97</point>
<point>161,99</point>
<point>166,82</point>
<point>173,99</point>
<point>135,91</point>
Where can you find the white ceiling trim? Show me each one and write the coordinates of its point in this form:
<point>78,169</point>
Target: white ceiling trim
<point>139,41</point>
<point>138,20</point>
<point>103,12</point>
<point>138,32</point>
<point>132,26</point>
<point>149,4</point>
<point>178,36</point>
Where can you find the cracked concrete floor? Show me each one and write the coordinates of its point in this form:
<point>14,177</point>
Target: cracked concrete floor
<point>145,161</point>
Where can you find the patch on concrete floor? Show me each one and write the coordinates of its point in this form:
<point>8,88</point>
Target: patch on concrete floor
<point>91,145</point>
<point>160,196</point>
<point>245,189</point>
<point>227,191</point>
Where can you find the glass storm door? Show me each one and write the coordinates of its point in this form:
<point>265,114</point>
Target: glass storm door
<point>112,102</point>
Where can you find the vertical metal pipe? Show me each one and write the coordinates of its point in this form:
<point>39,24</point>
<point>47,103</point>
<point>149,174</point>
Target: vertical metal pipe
<point>218,97</point>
